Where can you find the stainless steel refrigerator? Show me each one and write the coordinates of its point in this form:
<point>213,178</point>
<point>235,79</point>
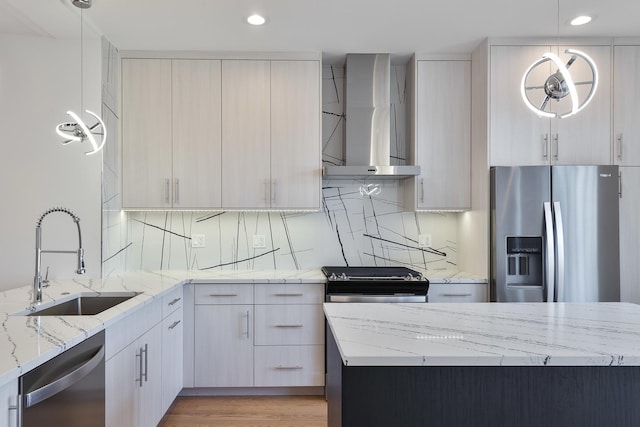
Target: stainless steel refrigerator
<point>554,234</point>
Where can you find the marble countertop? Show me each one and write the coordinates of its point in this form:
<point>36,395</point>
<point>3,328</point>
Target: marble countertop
<point>26,342</point>
<point>486,334</point>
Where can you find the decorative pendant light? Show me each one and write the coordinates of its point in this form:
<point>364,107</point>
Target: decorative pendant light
<point>77,130</point>
<point>559,84</point>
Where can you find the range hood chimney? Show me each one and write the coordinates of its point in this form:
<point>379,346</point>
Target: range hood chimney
<point>368,121</point>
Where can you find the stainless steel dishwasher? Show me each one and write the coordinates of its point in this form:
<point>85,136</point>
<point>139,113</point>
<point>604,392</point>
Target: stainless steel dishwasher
<point>68,390</point>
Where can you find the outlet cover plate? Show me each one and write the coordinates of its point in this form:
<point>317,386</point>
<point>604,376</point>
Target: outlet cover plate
<point>197,241</point>
<point>259,241</point>
<point>424,240</point>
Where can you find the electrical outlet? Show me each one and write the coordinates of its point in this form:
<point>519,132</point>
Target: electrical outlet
<point>259,242</point>
<point>197,241</point>
<point>424,240</point>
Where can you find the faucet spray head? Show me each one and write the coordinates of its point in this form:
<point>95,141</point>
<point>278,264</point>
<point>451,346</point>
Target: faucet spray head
<point>81,269</point>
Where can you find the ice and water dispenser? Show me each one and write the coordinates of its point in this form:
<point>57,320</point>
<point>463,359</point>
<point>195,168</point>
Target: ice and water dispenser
<point>524,261</point>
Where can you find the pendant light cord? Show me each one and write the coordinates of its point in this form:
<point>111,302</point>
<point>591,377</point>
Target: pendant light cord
<point>81,66</point>
<point>558,26</point>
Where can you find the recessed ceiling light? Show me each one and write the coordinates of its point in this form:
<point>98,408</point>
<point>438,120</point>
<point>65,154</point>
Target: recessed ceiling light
<point>581,20</point>
<point>256,20</point>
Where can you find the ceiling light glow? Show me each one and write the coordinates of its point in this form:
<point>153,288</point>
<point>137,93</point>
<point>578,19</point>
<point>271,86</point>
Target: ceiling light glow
<point>256,20</point>
<point>581,20</point>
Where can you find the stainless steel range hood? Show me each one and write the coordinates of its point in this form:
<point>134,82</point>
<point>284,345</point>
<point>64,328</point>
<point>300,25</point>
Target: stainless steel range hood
<point>368,121</point>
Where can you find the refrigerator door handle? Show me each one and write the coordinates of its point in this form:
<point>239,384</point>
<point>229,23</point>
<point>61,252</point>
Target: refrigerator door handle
<point>557,213</point>
<point>550,255</point>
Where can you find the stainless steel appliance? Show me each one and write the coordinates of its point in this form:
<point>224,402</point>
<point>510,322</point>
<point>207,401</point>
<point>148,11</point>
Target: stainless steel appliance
<point>68,390</point>
<point>554,234</point>
<point>375,284</point>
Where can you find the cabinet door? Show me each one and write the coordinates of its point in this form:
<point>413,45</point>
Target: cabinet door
<point>246,134</point>
<point>196,95</point>
<point>172,336</point>
<point>223,346</point>
<point>517,136</point>
<point>295,135</point>
<point>626,105</point>
<point>150,401</point>
<point>630,235</point>
<point>146,133</point>
<point>443,134</point>
<point>585,138</point>
<point>121,388</point>
<point>8,403</point>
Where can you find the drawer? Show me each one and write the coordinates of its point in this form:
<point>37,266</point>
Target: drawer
<point>172,301</point>
<point>458,292</point>
<point>241,293</point>
<point>289,366</point>
<point>289,293</point>
<point>289,324</point>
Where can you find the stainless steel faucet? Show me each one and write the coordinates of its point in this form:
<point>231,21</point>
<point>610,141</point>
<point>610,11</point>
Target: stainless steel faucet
<point>37,280</point>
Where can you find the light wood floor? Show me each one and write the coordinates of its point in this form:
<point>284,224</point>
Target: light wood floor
<point>254,411</point>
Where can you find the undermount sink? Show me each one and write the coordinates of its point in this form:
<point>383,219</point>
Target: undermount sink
<point>83,305</point>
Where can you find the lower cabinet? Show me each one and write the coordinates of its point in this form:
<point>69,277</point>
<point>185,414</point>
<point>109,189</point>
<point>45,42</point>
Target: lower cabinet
<point>133,386</point>
<point>172,357</point>
<point>8,404</point>
<point>223,346</point>
<point>458,292</point>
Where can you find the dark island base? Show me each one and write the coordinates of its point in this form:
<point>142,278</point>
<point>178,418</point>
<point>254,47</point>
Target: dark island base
<point>390,396</point>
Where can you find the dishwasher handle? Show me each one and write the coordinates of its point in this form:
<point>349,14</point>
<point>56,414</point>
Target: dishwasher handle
<point>45,392</point>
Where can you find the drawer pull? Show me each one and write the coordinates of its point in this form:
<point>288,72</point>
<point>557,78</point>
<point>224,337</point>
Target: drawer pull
<point>175,301</point>
<point>458,295</point>
<point>223,295</point>
<point>289,295</point>
<point>288,368</point>
<point>174,324</point>
<point>289,326</point>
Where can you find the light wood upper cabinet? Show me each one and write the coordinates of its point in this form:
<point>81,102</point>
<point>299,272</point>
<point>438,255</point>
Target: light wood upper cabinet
<point>196,119</point>
<point>626,105</point>
<point>246,134</point>
<point>443,140</point>
<point>146,133</point>
<point>519,137</point>
<point>295,135</point>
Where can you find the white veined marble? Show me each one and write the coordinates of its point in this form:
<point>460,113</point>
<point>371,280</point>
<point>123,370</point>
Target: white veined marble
<point>486,334</point>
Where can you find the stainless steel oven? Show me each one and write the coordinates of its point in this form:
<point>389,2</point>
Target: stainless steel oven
<point>374,284</point>
<point>68,390</point>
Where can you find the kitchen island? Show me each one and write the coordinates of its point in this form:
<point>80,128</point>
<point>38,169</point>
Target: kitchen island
<point>520,364</point>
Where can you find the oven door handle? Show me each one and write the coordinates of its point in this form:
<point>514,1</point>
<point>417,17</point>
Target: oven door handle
<point>45,392</point>
<point>376,298</point>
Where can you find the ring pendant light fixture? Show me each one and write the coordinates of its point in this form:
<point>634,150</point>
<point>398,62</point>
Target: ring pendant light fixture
<point>559,84</point>
<point>77,130</point>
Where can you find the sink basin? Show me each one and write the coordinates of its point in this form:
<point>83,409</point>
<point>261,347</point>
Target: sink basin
<point>84,304</point>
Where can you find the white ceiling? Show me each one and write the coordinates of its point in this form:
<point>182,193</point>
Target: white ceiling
<point>334,27</point>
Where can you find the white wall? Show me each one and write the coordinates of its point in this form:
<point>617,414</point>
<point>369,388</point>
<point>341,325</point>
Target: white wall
<point>39,82</point>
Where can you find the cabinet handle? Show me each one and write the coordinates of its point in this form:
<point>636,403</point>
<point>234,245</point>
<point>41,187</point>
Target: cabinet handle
<point>619,142</point>
<point>620,185</point>
<point>175,301</point>
<point>284,294</point>
<point>146,362</point>
<point>223,295</point>
<point>174,324</point>
<point>266,192</point>
<point>18,408</point>
<point>545,146</point>
<point>457,295</point>
<point>139,380</point>
<point>421,190</point>
<point>176,192</point>
<point>556,143</point>
<point>293,367</point>
<point>247,324</point>
<point>289,326</point>
<point>274,185</point>
<point>167,190</point>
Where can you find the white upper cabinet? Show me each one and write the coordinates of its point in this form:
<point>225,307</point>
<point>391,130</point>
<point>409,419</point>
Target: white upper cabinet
<point>146,133</point>
<point>443,139</point>
<point>196,108</point>
<point>246,134</point>
<point>626,105</point>
<point>296,170</point>
<point>519,137</point>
